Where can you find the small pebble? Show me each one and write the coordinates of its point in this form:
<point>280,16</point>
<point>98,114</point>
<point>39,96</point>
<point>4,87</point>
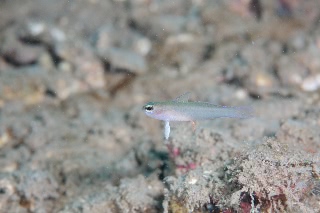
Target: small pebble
<point>311,83</point>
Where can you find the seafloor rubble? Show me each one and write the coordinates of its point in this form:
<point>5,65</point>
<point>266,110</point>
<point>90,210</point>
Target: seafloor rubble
<point>75,74</point>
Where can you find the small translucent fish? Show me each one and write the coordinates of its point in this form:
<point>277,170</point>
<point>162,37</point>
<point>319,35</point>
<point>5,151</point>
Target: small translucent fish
<point>181,109</point>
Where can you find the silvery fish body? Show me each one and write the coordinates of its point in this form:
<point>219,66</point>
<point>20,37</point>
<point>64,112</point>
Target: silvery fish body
<point>181,109</point>
<point>194,111</point>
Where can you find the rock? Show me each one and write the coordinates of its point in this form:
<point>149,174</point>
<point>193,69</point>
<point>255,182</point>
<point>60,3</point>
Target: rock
<point>167,24</point>
<point>29,89</point>
<point>38,185</point>
<point>139,194</point>
<point>298,41</point>
<point>18,53</point>
<point>300,134</point>
<point>290,71</point>
<point>40,32</point>
<point>261,83</point>
<point>10,199</point>
<point>124,60</point>
<point>97,202</point>
<point>132,195</point>
<point>184,51</point>
<point>311,83</point>
<point>109,36</point>
<point>309,58</point>
<point>28,191</point>
<point>142,46</point>
<point>80,69</point>
<point>117,81</point>
<point>111,42</point>
<point>162,19</point>
<point>106,37</point>
<point>3,64</point>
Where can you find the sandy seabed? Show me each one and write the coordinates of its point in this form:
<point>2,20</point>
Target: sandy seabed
<point>74,76</point>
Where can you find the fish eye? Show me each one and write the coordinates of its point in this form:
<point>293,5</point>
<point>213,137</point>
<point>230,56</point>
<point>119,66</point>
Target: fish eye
<point>148,107</point>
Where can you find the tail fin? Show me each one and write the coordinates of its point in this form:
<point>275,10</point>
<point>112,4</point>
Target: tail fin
<point>241,112</point>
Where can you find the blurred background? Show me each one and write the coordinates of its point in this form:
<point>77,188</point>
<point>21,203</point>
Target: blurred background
<point>74,76</point>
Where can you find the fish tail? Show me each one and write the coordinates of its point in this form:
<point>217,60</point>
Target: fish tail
<point>240,112</point>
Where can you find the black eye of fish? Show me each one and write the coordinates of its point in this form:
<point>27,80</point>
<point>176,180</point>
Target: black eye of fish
<point>148,107</point>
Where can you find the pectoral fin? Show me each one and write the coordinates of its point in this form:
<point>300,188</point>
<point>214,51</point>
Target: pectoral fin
<point>166,130</point>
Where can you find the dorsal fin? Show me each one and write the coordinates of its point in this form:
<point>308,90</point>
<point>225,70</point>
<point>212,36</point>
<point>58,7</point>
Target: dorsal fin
<point>183,98</point>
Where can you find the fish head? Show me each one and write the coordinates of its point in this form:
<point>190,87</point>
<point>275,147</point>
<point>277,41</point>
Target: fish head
<point>153,110</point>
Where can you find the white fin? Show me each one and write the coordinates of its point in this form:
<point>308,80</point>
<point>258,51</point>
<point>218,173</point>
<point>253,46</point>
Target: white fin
<point>166,130</point>
<point>183,98</point>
